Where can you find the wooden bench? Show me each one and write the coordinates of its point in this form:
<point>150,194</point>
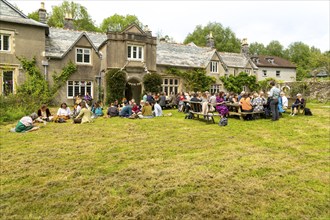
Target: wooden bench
<point>196,111</point>
<point>235,109</point>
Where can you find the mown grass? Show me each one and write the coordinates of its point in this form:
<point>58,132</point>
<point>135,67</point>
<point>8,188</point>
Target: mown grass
<point>169,168</point>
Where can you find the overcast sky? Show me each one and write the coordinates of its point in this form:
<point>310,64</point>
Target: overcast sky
<point>259,21</point>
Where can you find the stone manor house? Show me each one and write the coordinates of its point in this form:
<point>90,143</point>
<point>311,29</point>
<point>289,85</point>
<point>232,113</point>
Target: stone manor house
<point>133,50</point>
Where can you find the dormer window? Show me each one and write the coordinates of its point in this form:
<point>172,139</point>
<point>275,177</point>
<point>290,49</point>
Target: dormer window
<point>270,60</point>
<point>214,67</point>
<point>134,52</point>
<point>83,56</point>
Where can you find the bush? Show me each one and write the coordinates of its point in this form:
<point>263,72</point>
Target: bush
<point>152,82</point>
<point>116,82</point>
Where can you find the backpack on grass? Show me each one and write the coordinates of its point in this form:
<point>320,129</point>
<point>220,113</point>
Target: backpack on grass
<point>223,121</point>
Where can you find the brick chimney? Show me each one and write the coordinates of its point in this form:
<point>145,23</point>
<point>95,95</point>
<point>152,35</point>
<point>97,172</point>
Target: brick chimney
<point>210,40</point>
<point>42,13</point>
<point>68,21</point>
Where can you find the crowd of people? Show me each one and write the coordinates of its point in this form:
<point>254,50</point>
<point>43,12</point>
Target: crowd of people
<point>152,105</point>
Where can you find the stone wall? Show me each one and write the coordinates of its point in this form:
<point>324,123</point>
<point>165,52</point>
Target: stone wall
<point>311,90</point>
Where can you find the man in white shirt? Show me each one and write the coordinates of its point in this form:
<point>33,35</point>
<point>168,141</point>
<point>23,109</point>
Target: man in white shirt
<point>158,110</point>
<point>285,101</point>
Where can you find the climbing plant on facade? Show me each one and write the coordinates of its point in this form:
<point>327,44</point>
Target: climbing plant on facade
<point>194,80</point>
<point>152,82</point>
<point>116,82</point>
<point>237,83</point>
<point>61,78</point>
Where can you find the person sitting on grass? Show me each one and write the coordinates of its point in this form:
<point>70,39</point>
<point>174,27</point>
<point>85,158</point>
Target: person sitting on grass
<point>63,112</point>
<point>298,103</point>
<point>26,124</point>
<point>284,101</point>
<point>44,113</point>
<point>84,116</point>
<point>112,111</point>
<point>97,110</point>
<point>146,111</point>
<point>158,110</point>
<point>126,111</point>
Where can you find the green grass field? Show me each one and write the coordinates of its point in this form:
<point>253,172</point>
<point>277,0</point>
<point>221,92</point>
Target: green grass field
<point>169,168</point>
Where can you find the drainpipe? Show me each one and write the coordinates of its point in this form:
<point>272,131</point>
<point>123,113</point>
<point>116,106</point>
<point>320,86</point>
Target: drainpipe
<point>45,65</point>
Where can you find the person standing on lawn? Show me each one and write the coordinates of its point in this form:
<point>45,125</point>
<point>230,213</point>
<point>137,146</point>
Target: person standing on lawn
<point>274,94</point>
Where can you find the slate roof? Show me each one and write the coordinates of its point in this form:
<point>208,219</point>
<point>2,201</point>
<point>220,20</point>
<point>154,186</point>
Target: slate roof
<point>236,60</point>
<point>278,62</point>
<point>190,55</point>
<point>9,13</point>
<point>59,41</point>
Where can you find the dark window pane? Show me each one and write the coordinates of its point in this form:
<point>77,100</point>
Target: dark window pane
<point>89,90</point>
<point>5,42</point>
<point>70,91</point>
<point>175,82</point>
<point>171,81</point>
<point>86,58</point>
<point>165,81</point>
<point>76,90</point>
<point>129,51</point>
<point>79,58</point>
<point>82,90</point>
<point>8,82</point>
<point>140,52</point>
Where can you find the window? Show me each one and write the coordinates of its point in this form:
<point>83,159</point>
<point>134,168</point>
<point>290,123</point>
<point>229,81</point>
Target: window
<point>76,87</point>
<point>264,73</point>
<point>83,55</point>
<point>214,67</point>
<point>235,71</point>
<point>278,73</point>
<point>247,71</point>
<point>215,88</point>
<point>4,42</point>
<point>170,85</point>
<point>7,82</point>
<point>135,52</point>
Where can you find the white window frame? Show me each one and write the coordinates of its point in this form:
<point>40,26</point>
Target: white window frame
<point>214,66</point>
<point>278,73</point>
<point>264,73</point>
<point>135,52</point>
<point>247,71</point>
<point>168,87</point>
<point>82,83</point>
<point>2,42</point>
<point>215,88</point>
<point>84,50</point>
<point>3,81</point>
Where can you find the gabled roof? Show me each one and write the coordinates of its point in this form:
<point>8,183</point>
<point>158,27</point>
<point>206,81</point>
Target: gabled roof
<point>180,55</point>
<point>10,13</point>
<point>132,27</point>
<point>60,41</point>
<point>237,60</point>
<point>272,61</point>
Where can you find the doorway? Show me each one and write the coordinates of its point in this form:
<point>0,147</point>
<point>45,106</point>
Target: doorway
<point>133,90</point>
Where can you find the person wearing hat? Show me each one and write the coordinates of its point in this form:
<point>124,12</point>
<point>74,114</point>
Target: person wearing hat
<point>299,102</point>
<point>26,124</point>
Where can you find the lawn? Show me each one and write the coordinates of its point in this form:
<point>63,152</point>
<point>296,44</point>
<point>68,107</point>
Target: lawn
<point>169,168</point>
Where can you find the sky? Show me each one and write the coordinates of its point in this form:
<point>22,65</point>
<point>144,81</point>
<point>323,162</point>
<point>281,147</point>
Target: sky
<point>259,21</point>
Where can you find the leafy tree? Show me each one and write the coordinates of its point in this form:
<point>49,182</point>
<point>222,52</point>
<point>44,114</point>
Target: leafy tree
<point>116,82</point>
<point>264,85</point>
<point>236,83</point>
<point>194,80</point>
<point>224,38</point>
<point>257,49</point>
<point>81,19</point>
<point>275,48</point>
<point>34,15</point>
<point>117,22</point>
<point>152,82</point>
<point>300,54</point>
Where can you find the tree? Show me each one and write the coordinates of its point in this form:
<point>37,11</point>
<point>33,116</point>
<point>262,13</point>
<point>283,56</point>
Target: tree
<point>236,83</point>
<point>257,49</point>
<point>117,22</point>
<point>300,54</point>
<point>152,82</point>
<point>224,38</point>
<point>34,15</point>
<point>80,16</point>
<point>275,48</point>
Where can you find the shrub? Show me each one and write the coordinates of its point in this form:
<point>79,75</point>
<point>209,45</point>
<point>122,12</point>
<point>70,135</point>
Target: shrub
<point>116,82</point>
<point>152,82</point>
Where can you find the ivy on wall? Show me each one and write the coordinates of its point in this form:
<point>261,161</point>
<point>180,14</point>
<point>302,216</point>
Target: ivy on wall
<point>60,79</point>
<point>115,85</point>
<point>194,80</point>
<point>152,82</point>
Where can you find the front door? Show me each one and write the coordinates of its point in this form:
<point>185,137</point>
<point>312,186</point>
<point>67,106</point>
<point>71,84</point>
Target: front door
<point>133,90</point>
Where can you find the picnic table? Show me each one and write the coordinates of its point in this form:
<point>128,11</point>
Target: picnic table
<point>196,110</point>
<point>235,109</point>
